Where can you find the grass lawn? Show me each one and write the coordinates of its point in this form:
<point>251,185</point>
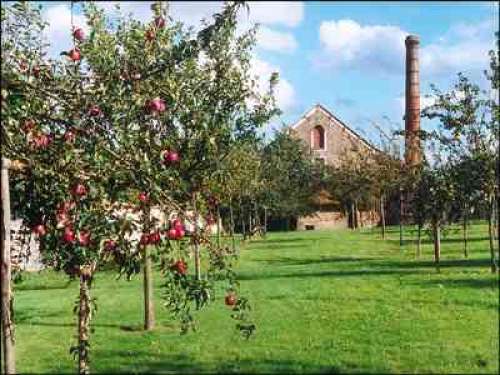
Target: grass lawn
<point>324,301</point>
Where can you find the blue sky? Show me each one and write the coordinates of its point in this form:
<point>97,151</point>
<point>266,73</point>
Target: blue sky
<point>348,56</point>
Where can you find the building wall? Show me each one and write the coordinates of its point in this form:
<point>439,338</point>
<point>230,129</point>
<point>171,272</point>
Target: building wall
<point>339,140</point>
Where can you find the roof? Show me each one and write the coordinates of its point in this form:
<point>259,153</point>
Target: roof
<point>331,116</point>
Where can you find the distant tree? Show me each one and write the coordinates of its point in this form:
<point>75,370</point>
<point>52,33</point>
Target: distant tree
<point>432,200</point>
<point>289,173</point>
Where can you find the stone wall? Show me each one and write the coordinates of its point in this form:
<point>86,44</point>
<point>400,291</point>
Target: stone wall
<point>323,220</point>
<point>336,220</point>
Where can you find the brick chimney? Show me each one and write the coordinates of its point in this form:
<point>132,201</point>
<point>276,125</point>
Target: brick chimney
<point>412,103</point>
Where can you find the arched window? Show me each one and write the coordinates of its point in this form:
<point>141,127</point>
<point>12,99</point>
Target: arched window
<point>318,138</point>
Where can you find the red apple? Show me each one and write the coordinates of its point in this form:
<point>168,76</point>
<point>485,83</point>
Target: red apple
<point>74,54</point>
<point>42,141</point>
<point>180,266</point>
<point>36,71</point>
<point>40,230</point>
<point>79,34</point>
<point>84,238</point>
<point>79,190</point>
<point>172,234</point>
<point>143,197</point>
<point>145,239</point>
<point>179,233</point>
<point>230,300</point>
<point>154,238</point>
<point>94,111</point>
<point>150,35</point>
<point>177,223</point>
<point>69,235</point>
<point>69,136</point>
<point>171,157</point>
<point>160,22</point>
<point>156,105</point>
<point>110,245</point>
<point>28,125</point>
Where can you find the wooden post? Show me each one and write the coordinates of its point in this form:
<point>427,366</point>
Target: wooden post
<point>8,348</point>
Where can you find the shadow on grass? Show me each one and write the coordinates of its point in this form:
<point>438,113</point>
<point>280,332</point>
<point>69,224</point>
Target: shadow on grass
<point>287,241</point>
<point>467,283</point>
<point>482,262</point>
<point>27,286</point>
<point>123,327</point>
<point>426,240</point>
<point>183,364</point>
<point>361,272</point>
<point>271,247</point>
<point>26,316</point>
<point>300,262</point>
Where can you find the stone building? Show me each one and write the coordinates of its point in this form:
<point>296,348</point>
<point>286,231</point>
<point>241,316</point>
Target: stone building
<point>328,140</point>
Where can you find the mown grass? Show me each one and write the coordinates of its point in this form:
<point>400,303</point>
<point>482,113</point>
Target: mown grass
<point>324,301</point>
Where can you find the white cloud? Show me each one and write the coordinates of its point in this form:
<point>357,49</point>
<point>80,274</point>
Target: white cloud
<point>425,102</point>
<point>284,91</point>
<point>284,13</point>
<point>347,44</point>
<point>275,40</point>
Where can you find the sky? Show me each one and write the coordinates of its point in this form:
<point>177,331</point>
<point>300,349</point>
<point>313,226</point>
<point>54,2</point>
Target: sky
<point>348,56</point>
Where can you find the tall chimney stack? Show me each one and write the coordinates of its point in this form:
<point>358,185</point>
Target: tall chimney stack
<point>412,103</point>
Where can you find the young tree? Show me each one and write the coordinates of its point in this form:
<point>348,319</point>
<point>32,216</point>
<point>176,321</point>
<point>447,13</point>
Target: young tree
<point>432,198</point>
<point>141,124</point>
<point>468,143</point>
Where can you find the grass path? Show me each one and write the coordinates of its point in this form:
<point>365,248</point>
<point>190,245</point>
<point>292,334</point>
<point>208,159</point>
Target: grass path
<point>323,302</point>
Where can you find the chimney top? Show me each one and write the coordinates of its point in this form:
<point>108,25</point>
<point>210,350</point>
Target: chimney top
<point>412,39</point>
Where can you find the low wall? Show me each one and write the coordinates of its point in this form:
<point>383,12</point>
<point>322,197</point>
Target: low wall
<point>336,220</point>
<point>323,220</point>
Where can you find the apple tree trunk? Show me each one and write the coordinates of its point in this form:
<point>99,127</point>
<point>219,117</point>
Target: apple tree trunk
<point>491,236</point>
<point>465,224</point>
<point>149,310</point>
<point>197,263</point>
<point>84,315</point>
<point>382,215</point>
<point>265,221</point>
<point>419,240</point>
<point>8,348</point>
<point>437,243</point>
<point>231,224</point>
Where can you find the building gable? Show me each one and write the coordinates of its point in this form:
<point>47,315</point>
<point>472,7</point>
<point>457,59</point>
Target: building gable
<point>338,137</point>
